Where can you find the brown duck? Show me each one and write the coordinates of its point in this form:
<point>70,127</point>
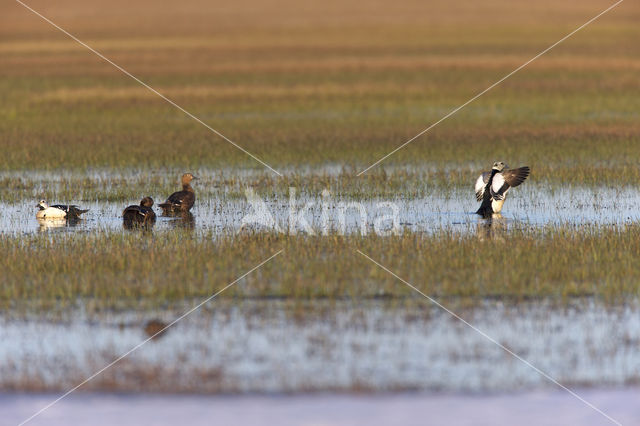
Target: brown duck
<point>142,214</point>
<point>181,201</point>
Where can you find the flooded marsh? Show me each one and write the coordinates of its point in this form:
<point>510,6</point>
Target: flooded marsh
<point>276,346</point>
<point>320,334</point>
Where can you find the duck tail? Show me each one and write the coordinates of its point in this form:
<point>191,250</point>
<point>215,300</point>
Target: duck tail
<point>167,208</point>
<point>75,212</point>
<point>484,211</point>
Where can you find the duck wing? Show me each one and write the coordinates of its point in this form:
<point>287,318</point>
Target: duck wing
<point>132,211</point>
<point>481,183</point>
<point>62,207</point>
<point>515,177</point>
<point>506,179</point>
<point>180,199</point>
<point>139,214</point>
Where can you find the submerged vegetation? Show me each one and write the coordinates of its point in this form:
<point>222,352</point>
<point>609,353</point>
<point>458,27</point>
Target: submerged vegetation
<point>137,270</point>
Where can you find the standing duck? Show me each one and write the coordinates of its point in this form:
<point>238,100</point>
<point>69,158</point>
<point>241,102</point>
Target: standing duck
<point>58,211</point>
<point>140,215</point>
<point>181,201</point>
<point>492,187</point>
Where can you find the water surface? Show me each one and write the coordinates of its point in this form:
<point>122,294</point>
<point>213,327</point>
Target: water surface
<point>529,205</point>
<point>532,408</point>
<point>277,346</point>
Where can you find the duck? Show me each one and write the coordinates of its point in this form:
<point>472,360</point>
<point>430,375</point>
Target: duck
<point>492,187</point>
<point>181,201</point>
<point>58,211</point>
<point>142,214</point>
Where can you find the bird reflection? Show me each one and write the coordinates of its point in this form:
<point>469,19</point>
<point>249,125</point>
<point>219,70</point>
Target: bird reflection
<point>492,228</point>
<point>47,225</point>
<point>184,220</point>
<point>130,225</point>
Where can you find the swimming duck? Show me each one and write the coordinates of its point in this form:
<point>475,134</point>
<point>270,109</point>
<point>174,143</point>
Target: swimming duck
<point>142,214</point>
<point>492,187</point>
<point>180,201</point>
<point>58,211</point>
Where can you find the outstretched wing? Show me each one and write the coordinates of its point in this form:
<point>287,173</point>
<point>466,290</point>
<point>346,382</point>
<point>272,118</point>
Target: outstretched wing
<point>482,181</point>
<point>504,180</point>
<point>515,177</point>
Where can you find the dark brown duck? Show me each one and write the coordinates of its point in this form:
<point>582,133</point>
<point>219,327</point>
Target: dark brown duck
<point>140,215</point>
<point>181,201</point>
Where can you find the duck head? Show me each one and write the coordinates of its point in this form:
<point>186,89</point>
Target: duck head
<point>42,204</point>
<point>187,178</point>
<point>499,166</point>
<point>146,202</point>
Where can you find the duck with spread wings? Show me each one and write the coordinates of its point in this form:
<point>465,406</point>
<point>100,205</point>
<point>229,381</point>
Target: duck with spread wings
<point>492,187</point>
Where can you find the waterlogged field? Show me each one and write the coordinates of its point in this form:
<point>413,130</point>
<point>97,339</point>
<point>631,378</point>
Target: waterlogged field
<point>338,82</point>
<point>320,91</point>
<point>360,345</point>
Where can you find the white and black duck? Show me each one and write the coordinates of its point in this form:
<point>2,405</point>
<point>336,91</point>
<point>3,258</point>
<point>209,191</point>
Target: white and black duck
<point>142,214</point>
<point>181,201</point>
<point>58,211</point>
<point>492,187</point>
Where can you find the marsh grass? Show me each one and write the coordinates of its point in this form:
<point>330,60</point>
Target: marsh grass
<point>406,182</point>
<point>328,83</point>
<point>146,270</point>
<point>332,84</point>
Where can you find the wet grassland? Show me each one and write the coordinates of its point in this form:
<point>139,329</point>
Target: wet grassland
<point>320,93</point>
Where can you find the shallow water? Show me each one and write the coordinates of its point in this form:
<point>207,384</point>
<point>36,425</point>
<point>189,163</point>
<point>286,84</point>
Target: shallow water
<point>533,205</point>
<point>533,408</point>
<point>275,346</point>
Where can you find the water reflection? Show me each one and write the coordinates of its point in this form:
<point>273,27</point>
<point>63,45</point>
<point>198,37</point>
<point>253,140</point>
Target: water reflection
<point>492,228</point>
<point>46,225</point>
<point>137,226</point>
<point>184,220</point>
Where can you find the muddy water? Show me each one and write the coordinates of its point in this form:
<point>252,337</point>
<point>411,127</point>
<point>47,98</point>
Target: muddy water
<point>530,205</point>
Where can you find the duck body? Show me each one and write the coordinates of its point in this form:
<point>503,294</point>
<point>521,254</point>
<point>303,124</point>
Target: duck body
<point>181,201</point>
<point>142,214</point>
<point>58,211</point>
<point>492,187</point>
